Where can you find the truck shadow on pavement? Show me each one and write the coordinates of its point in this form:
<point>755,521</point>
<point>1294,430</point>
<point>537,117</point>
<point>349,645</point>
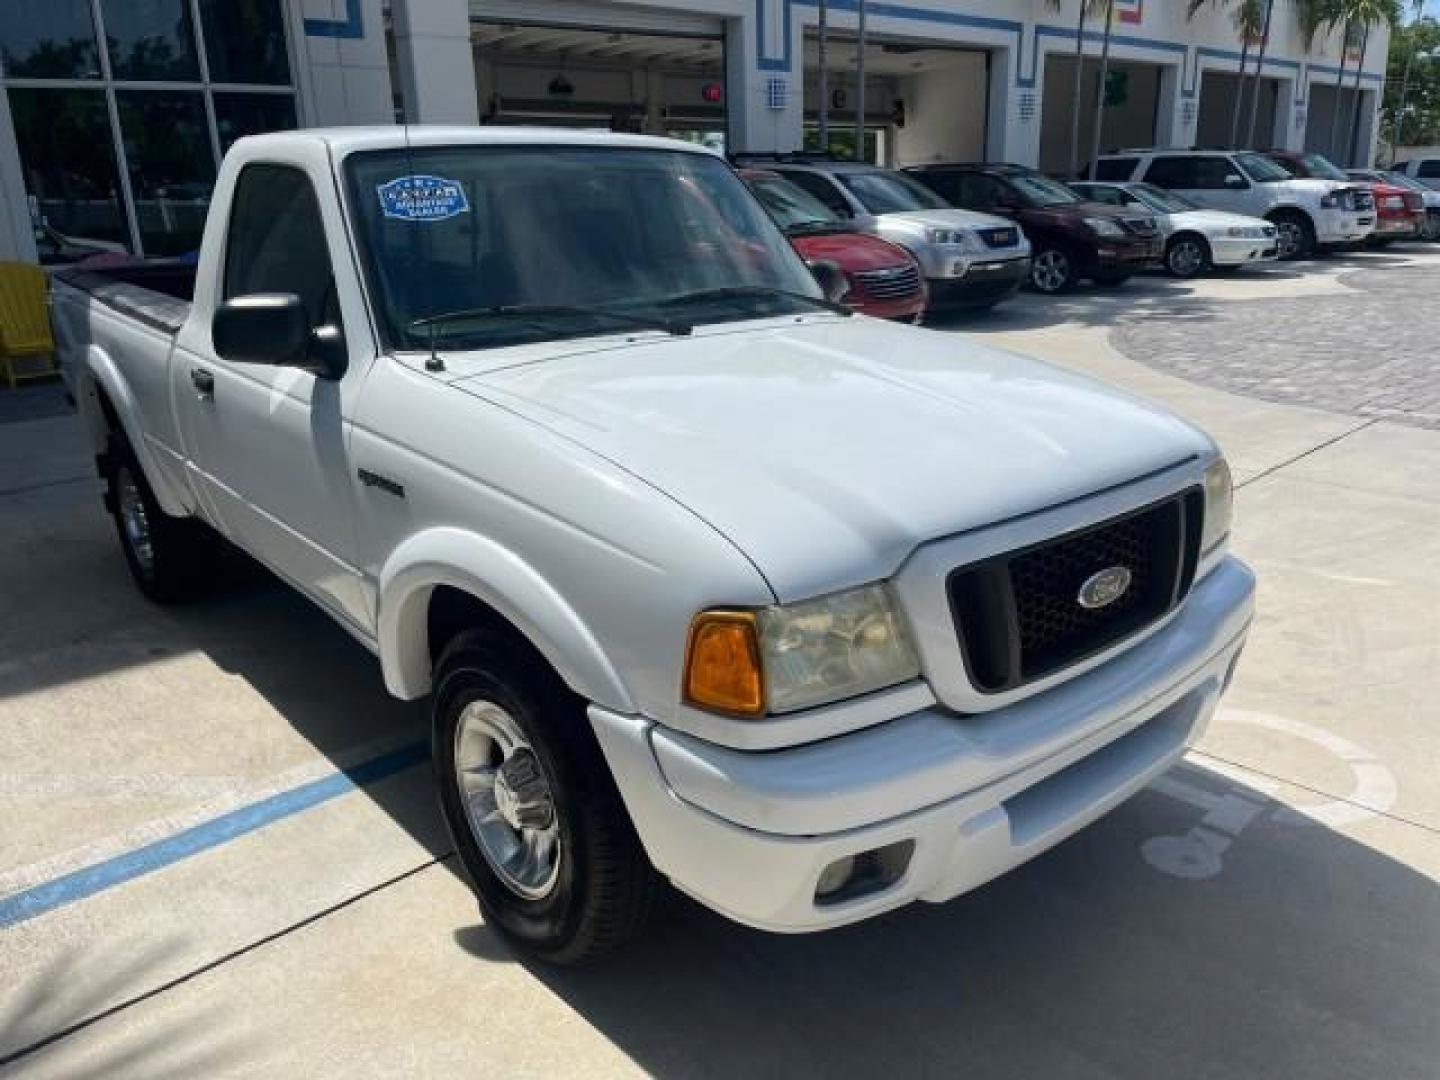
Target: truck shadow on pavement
<point>1305,954</point>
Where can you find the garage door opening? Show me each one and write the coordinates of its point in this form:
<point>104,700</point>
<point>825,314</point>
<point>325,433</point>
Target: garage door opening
<point>1219,92</point>
<point>1343,139</point>
<point>1131,115</point>
<point>645,83</point>
<point>923,102</point>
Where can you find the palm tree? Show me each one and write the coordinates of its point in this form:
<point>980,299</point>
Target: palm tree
<point>1366,14</point>
<point>1087,8</point>
<point>1397,129</point>
<point>1100,92</point>
<point>1259,74</point>
<point>1250,17</point>
<point>1351,17</point>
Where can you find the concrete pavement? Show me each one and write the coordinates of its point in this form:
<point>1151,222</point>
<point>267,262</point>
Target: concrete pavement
<point>1272,908</point>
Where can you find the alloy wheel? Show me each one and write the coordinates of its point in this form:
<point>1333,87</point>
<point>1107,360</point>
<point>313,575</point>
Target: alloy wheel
<point>1050,270</point>
<point>1186,259</point>
<point>135,520</point>
<point>508,802</point>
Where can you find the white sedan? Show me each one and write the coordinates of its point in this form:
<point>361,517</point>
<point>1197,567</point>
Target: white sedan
<point>1196,239</point>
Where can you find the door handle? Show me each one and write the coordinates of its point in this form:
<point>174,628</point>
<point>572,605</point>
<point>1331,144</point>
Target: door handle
<point>204,382</point>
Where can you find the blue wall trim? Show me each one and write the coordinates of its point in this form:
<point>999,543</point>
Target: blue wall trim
<point>1190,56</point>
<point>67,889</point>
<point>352,26</point>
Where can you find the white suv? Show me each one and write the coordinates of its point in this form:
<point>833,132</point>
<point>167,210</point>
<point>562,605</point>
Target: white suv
<point>1426,170</point>
<point>1306,212</point>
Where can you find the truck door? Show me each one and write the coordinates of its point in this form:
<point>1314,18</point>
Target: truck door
<point>270,444</point>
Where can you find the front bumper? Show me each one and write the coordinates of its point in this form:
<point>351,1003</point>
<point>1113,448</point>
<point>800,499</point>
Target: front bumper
<point>983,284</point>
<point>1239,251</point>
<point>1343,226</point>
<point>1399,226</point>
<point>749,834</point>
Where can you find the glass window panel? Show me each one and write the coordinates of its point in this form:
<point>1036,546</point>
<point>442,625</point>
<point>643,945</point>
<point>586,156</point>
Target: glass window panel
<point>48,39</point>
<point>245,41</point>
<point>238,115</point>
<point>71,181</point>
<point>276,241</point>
<point>172,171</point>
<point>150,39</point>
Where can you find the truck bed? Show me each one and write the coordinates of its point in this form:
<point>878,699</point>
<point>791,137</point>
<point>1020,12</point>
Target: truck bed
<point>155,293</point>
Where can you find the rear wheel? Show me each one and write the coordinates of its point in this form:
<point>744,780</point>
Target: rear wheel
<point>1187,255</point>
<point>168,557</point>
<point>1294,235</point>
<point>536,818</point>
<point>1053,270</point>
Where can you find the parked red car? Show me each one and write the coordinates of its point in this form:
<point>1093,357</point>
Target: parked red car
<point>884,279</point>
<point>1399,213</point>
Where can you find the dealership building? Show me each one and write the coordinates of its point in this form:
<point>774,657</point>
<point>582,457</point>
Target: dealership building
<point>114,114</point>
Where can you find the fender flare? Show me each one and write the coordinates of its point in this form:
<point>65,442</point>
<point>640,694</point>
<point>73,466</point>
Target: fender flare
<point>102,369</point>
<point>498,577</point>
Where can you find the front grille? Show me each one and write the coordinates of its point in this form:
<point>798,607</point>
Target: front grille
<point>1019,615</point>
<point>1000,238</point>
<point>1141,226</point>
<point>892,283</point>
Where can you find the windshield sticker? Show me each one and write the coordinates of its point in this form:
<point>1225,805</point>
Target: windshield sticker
<point>422,198</point>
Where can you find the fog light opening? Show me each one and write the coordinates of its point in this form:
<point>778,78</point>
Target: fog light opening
<point>868,872</point>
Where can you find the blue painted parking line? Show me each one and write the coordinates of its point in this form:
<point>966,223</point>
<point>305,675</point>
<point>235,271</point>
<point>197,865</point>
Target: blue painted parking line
<point>68,888</point>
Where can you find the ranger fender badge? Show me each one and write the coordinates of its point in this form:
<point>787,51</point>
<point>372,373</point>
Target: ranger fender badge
<point>1103,588</point>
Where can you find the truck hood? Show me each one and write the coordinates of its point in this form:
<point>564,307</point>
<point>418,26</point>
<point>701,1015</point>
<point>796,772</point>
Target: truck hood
<point>827,450</point>
<point>917,221</point>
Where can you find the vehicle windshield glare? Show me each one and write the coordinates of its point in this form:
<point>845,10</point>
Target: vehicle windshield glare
<point>517,244</point>
<point>883,192</point>
<point>1319,165</point>
<point>1039,190</point>
<point>792,207</point>
<point>1160,200</point>
<point>1261,169</point>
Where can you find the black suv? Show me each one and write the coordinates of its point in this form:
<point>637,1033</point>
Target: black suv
<point>1072,238</point>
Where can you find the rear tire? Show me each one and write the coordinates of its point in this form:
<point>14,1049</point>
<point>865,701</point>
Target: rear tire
<point>1295,235</point>
<point>169,557</point>
<point>1187,255</point>
<point>537,821</point>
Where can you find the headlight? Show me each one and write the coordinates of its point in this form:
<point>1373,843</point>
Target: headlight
<point>795,656</point>
<point>1104,227</point>
<point>952,238</point>
<point>1246,232</point>
<point>1393,202</point>
<point>1334,201</point>
<point>1219,498</point>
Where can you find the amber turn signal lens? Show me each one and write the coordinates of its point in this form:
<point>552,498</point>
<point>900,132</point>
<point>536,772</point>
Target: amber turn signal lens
<point>722,663</point>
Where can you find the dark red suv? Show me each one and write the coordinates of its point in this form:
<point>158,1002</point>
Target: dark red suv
<point>1071,237</point>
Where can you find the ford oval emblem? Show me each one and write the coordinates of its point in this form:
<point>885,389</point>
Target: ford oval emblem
<point>1103,588</point>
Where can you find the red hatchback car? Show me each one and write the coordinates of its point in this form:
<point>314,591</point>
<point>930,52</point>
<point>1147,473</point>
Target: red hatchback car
<point>884,279</point>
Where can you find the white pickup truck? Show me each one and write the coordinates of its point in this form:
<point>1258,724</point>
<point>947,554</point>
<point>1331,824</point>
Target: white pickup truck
<point>708,579</point>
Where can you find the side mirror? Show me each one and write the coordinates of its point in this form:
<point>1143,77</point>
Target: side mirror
<point>274,328</point>
<point>831,278</point>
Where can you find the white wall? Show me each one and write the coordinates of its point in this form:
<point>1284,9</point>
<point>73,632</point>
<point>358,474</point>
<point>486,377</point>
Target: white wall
<point>944,113</point>
<point>342,72</point>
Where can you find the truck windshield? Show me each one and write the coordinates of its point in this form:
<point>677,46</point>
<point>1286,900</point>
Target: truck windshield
<point>1262,169</point>
<point>580,240</point>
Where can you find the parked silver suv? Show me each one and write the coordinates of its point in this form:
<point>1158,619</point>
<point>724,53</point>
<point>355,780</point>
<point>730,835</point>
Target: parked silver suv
<point>970,260</point>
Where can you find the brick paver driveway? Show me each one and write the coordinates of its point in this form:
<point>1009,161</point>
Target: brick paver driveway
<point>1372,353</point>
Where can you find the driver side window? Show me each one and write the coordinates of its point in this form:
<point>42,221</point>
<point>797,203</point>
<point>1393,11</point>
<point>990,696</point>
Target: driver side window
<point>276,242</point>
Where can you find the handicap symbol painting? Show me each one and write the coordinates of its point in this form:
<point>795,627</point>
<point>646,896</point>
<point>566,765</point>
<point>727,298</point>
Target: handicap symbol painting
<point>422,198</point>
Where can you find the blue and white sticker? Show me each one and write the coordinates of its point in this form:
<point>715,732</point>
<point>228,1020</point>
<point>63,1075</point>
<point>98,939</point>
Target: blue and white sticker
<point>422,198</point>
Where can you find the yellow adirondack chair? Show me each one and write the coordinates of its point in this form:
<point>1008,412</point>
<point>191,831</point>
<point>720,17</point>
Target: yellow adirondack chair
<point>24,322</point>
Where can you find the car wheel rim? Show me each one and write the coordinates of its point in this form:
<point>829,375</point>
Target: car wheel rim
<point>134,520</point>
<point>508,803</point>
<point>1050,271</point>
<point>1289,234</point>
<point>1185,258</point>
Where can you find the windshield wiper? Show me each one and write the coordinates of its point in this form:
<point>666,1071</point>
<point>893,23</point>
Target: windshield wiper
<point>729,292</point>
<point>670,326</point>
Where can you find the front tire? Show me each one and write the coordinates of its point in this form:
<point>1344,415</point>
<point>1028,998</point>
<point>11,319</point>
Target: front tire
<point>1294,235</point>
<point>536,818</point>
<point>1187,255</point>
<point>1053,271</point>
